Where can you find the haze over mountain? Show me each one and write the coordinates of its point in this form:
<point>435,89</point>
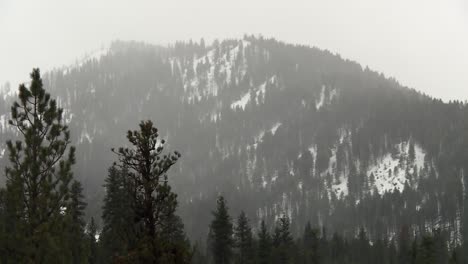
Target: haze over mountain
<point>277,128</point>
<point>422,43</point>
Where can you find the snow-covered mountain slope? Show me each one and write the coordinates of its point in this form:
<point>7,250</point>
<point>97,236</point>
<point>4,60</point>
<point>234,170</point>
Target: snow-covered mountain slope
<point>276,128</point>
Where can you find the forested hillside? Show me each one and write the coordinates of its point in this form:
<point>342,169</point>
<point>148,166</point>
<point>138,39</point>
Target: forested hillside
<point>278,129</point>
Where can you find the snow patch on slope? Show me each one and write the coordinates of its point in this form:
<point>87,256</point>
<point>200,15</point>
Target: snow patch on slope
<point>275,127</point>
<point>341,187</point>
<point>205,83</point>
<point>390,171</point>
<point>324,98</point>
<point>321,100</point>
<point>3,122</point>
<point>259,137</point>
<point>241,103</point>
<point>258,93</point>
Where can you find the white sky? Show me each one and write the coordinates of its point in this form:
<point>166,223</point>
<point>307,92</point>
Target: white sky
<point>422,43</point>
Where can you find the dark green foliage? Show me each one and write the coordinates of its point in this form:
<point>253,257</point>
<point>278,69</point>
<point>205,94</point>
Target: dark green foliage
<point>282,241</point>
<point>76,240</point>
<point>221,234</point>
<point>39,207</point>
<point>427,251</point>
<point>311,245</point>
<point>92,232</point>
<point>119,231</point>
<point>313,248</point>
<point>404,246</point>
<point>156,231</point>
<point>243,240</point>
<point>264,244</point>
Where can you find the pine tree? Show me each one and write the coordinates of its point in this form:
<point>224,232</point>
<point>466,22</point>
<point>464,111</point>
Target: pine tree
<point>221,233</point>
<point>76,224</point>
<point>91,238</point>
<point>363,246</point>
<point>404,252</point>
<point>454,258</point>
<point>119,231</point>
<point>282,241</point>
<point>264,245</point>
<point>243,240</point>
<point>153,202</point>
<point>411,152</point>
<point>311,244</point>
<point>426,251</point>
<point>38,177</point>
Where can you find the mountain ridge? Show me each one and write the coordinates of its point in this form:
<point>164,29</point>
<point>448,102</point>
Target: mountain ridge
<point>282,128</point>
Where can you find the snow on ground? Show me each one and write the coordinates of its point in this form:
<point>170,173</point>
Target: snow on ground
<point>215,116</point>
<point>324,100</point>
<point>275,127</point>
<point>341,188</point>
<point>321,100</point>
<point>241,103</point>
<point>264,182</point>
<point>388,174</point>
<point>86,136</point>
<point>275,176</point>
<point>3,122</point>
<point>313,151</point>
<point>204,84</point>
<point>259,137</point>
<point>299,186</point>
<point>258,93</point>
<point>2,152</point>
<point>390,170</point>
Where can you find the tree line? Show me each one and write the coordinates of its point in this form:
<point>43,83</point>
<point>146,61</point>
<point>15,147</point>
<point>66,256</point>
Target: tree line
<point>235,241</point>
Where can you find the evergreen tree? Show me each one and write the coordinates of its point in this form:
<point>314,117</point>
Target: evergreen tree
<point>91,238</point>
<point>243,240</point>
<point>411,152</point>
<point>38,177</point>
<point>221,233</point>
<point>119,231</point>
<point>264,244</point>
<point>153,202</point>
<point>311,245</point>
<point>426,251</point>
<point>76,224</point>
<point>282,241</point>
<point>404,252</point>
<point>454,258</point>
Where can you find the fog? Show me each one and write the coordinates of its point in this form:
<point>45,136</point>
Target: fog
<point>421,43</point>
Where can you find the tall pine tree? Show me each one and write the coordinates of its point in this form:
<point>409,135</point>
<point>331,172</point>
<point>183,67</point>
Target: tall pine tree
<point>243,240</point>
<point>264,244</point>
<point>221,234</point>
<point>38,177</point>
<point>153,202</point>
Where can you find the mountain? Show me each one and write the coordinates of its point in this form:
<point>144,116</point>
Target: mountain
<point>277,129</point>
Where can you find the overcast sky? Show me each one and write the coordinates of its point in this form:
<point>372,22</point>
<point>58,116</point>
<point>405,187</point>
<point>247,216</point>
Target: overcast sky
<point>422,43</point>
